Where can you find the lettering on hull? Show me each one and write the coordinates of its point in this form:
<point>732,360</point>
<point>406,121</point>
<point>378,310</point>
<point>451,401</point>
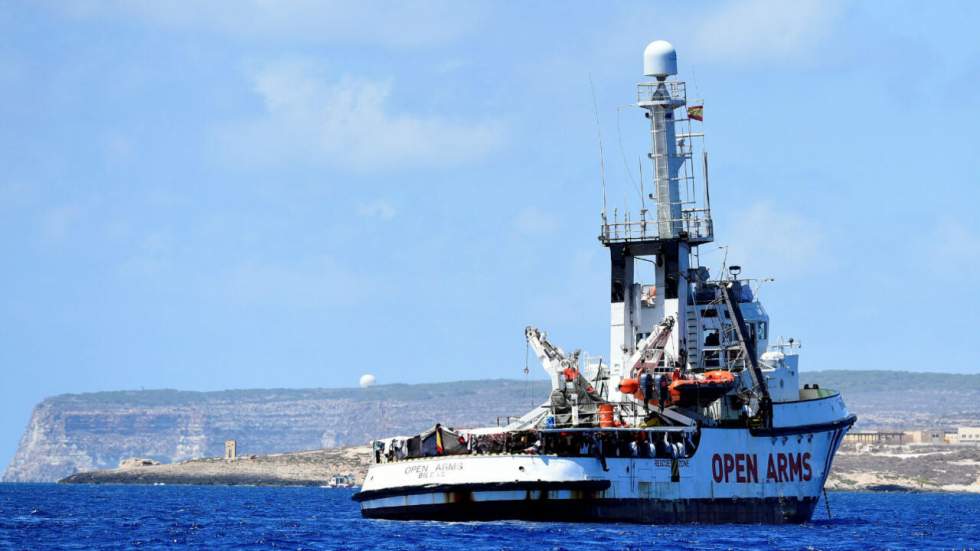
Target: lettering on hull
<point>424,472</point>
<point>743,468</point>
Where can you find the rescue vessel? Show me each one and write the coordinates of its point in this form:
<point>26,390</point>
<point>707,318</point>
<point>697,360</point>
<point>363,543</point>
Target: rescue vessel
<point>695,417</point>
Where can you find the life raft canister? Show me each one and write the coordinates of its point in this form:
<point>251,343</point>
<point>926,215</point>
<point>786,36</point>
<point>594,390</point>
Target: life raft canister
<point>606,416</point>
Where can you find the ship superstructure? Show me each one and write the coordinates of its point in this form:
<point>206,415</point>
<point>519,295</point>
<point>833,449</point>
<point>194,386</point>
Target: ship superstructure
<point>695,417</point>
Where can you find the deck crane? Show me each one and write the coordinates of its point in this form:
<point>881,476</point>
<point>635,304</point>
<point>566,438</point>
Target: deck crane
<point>569,388</point>
<point>552,358</point>
<point>651,349</point>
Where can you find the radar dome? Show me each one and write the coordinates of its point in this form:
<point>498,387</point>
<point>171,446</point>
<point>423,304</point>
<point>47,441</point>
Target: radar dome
<point>659,59</point>
<point>367,380</point>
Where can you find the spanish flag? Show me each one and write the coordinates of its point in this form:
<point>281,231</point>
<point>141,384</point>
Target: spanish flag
<point>696,112</point>
<point>439,449</point>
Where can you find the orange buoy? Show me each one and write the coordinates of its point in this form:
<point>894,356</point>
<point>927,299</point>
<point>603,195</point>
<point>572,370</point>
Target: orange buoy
<point>629,386</point>
<point>606,415</point>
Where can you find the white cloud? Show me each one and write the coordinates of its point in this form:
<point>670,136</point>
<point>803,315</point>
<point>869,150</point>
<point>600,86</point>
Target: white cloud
<point>770,241</point>
<point>532,221</point>
<point>366,22</point>
<point>955,249</point>
<point>151,256</point>
<point>57,223</point>
<point>748,32</point>
<point>15,193</point>
<point>348,122</point>
<point>737,34</point>
<point>380,209</point>
<point>313,283</point>
<point>117,148</point>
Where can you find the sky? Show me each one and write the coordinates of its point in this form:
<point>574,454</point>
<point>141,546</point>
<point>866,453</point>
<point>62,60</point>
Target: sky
<point>243,194</point>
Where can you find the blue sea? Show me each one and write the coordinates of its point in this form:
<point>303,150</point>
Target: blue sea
<point>49,516</point>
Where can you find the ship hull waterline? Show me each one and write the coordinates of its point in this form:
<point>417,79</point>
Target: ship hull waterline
<point>790,510</point>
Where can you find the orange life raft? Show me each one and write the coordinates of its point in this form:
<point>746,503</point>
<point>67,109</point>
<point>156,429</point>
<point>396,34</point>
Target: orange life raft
<point>703,390</point>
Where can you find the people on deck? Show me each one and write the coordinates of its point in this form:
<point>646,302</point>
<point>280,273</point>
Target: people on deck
<point>664,386</point>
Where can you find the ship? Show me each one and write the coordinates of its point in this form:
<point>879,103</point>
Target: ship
<point>695,417</point>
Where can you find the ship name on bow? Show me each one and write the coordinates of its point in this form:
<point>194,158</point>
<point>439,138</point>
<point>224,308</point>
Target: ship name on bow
<point>743,468</point>
<point>433,471</point>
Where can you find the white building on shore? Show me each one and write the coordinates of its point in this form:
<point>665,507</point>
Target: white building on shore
<point>968,435</point>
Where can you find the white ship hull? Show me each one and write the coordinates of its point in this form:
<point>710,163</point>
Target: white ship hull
<point>735,475</point>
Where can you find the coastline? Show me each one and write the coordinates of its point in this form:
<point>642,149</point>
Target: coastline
<point>306,468</point>
<point>857,467</point>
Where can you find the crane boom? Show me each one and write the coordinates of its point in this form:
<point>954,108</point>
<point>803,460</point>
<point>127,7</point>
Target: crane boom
<point>553,359</point>
<point>651,348</point>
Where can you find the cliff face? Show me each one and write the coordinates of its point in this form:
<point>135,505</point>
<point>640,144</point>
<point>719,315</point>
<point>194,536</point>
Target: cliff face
<point>82,432</point>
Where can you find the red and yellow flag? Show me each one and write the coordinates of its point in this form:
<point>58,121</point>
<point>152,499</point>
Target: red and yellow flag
<point>439,449</point>
<point>696,112</point>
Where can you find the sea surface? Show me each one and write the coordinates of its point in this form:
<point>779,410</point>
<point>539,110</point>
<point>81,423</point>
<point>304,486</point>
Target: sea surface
<point>50,516</point>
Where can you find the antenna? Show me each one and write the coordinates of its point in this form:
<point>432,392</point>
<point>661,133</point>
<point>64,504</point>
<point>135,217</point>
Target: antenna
<point>622,154</point>
<point>707,188</point>
<point>639,163</point>
<point>724,260</point>
<point>602,157</point>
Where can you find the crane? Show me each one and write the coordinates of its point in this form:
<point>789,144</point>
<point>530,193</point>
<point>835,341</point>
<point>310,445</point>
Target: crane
<point>650,349</point>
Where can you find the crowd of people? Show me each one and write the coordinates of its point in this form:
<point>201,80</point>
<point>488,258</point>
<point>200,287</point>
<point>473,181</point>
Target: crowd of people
<point>640,443</point>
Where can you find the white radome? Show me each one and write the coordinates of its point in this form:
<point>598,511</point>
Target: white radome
<point>367,380</point>
<point>659,59</point>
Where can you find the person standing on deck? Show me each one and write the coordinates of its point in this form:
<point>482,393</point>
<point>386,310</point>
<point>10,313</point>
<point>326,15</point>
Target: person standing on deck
<point>664,385</point>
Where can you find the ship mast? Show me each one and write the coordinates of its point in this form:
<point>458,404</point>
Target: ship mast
<point>683,222</point>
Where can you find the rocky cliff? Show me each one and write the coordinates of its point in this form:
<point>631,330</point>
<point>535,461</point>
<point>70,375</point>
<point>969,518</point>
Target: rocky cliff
<point>83,432</point>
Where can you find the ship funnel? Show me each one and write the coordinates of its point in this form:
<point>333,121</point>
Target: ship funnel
<point>659,60</point>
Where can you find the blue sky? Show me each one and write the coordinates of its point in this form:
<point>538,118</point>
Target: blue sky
<point>229,195</point>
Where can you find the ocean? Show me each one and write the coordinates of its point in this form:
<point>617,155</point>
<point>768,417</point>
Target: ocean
<point>50,516</point>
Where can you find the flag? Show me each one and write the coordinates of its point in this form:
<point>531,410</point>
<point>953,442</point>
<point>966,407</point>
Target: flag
<point>439,449</point>
<point>696,112</point>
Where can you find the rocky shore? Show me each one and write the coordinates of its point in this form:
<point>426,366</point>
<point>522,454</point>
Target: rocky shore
<point>927,468</point>
<point>857,467</point>
<point>308,468</point>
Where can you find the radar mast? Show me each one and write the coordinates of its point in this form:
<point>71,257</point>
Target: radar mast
<point>682,223</point>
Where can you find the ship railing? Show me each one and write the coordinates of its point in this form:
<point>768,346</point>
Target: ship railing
<point>695,223</point>
<point>506,419</point>
<point>682,429</point>
<point>665,442</point>
<point>675,90</point>
<point>591,365</point>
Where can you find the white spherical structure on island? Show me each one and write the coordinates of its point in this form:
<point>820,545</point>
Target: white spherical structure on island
<point>367,380</point>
